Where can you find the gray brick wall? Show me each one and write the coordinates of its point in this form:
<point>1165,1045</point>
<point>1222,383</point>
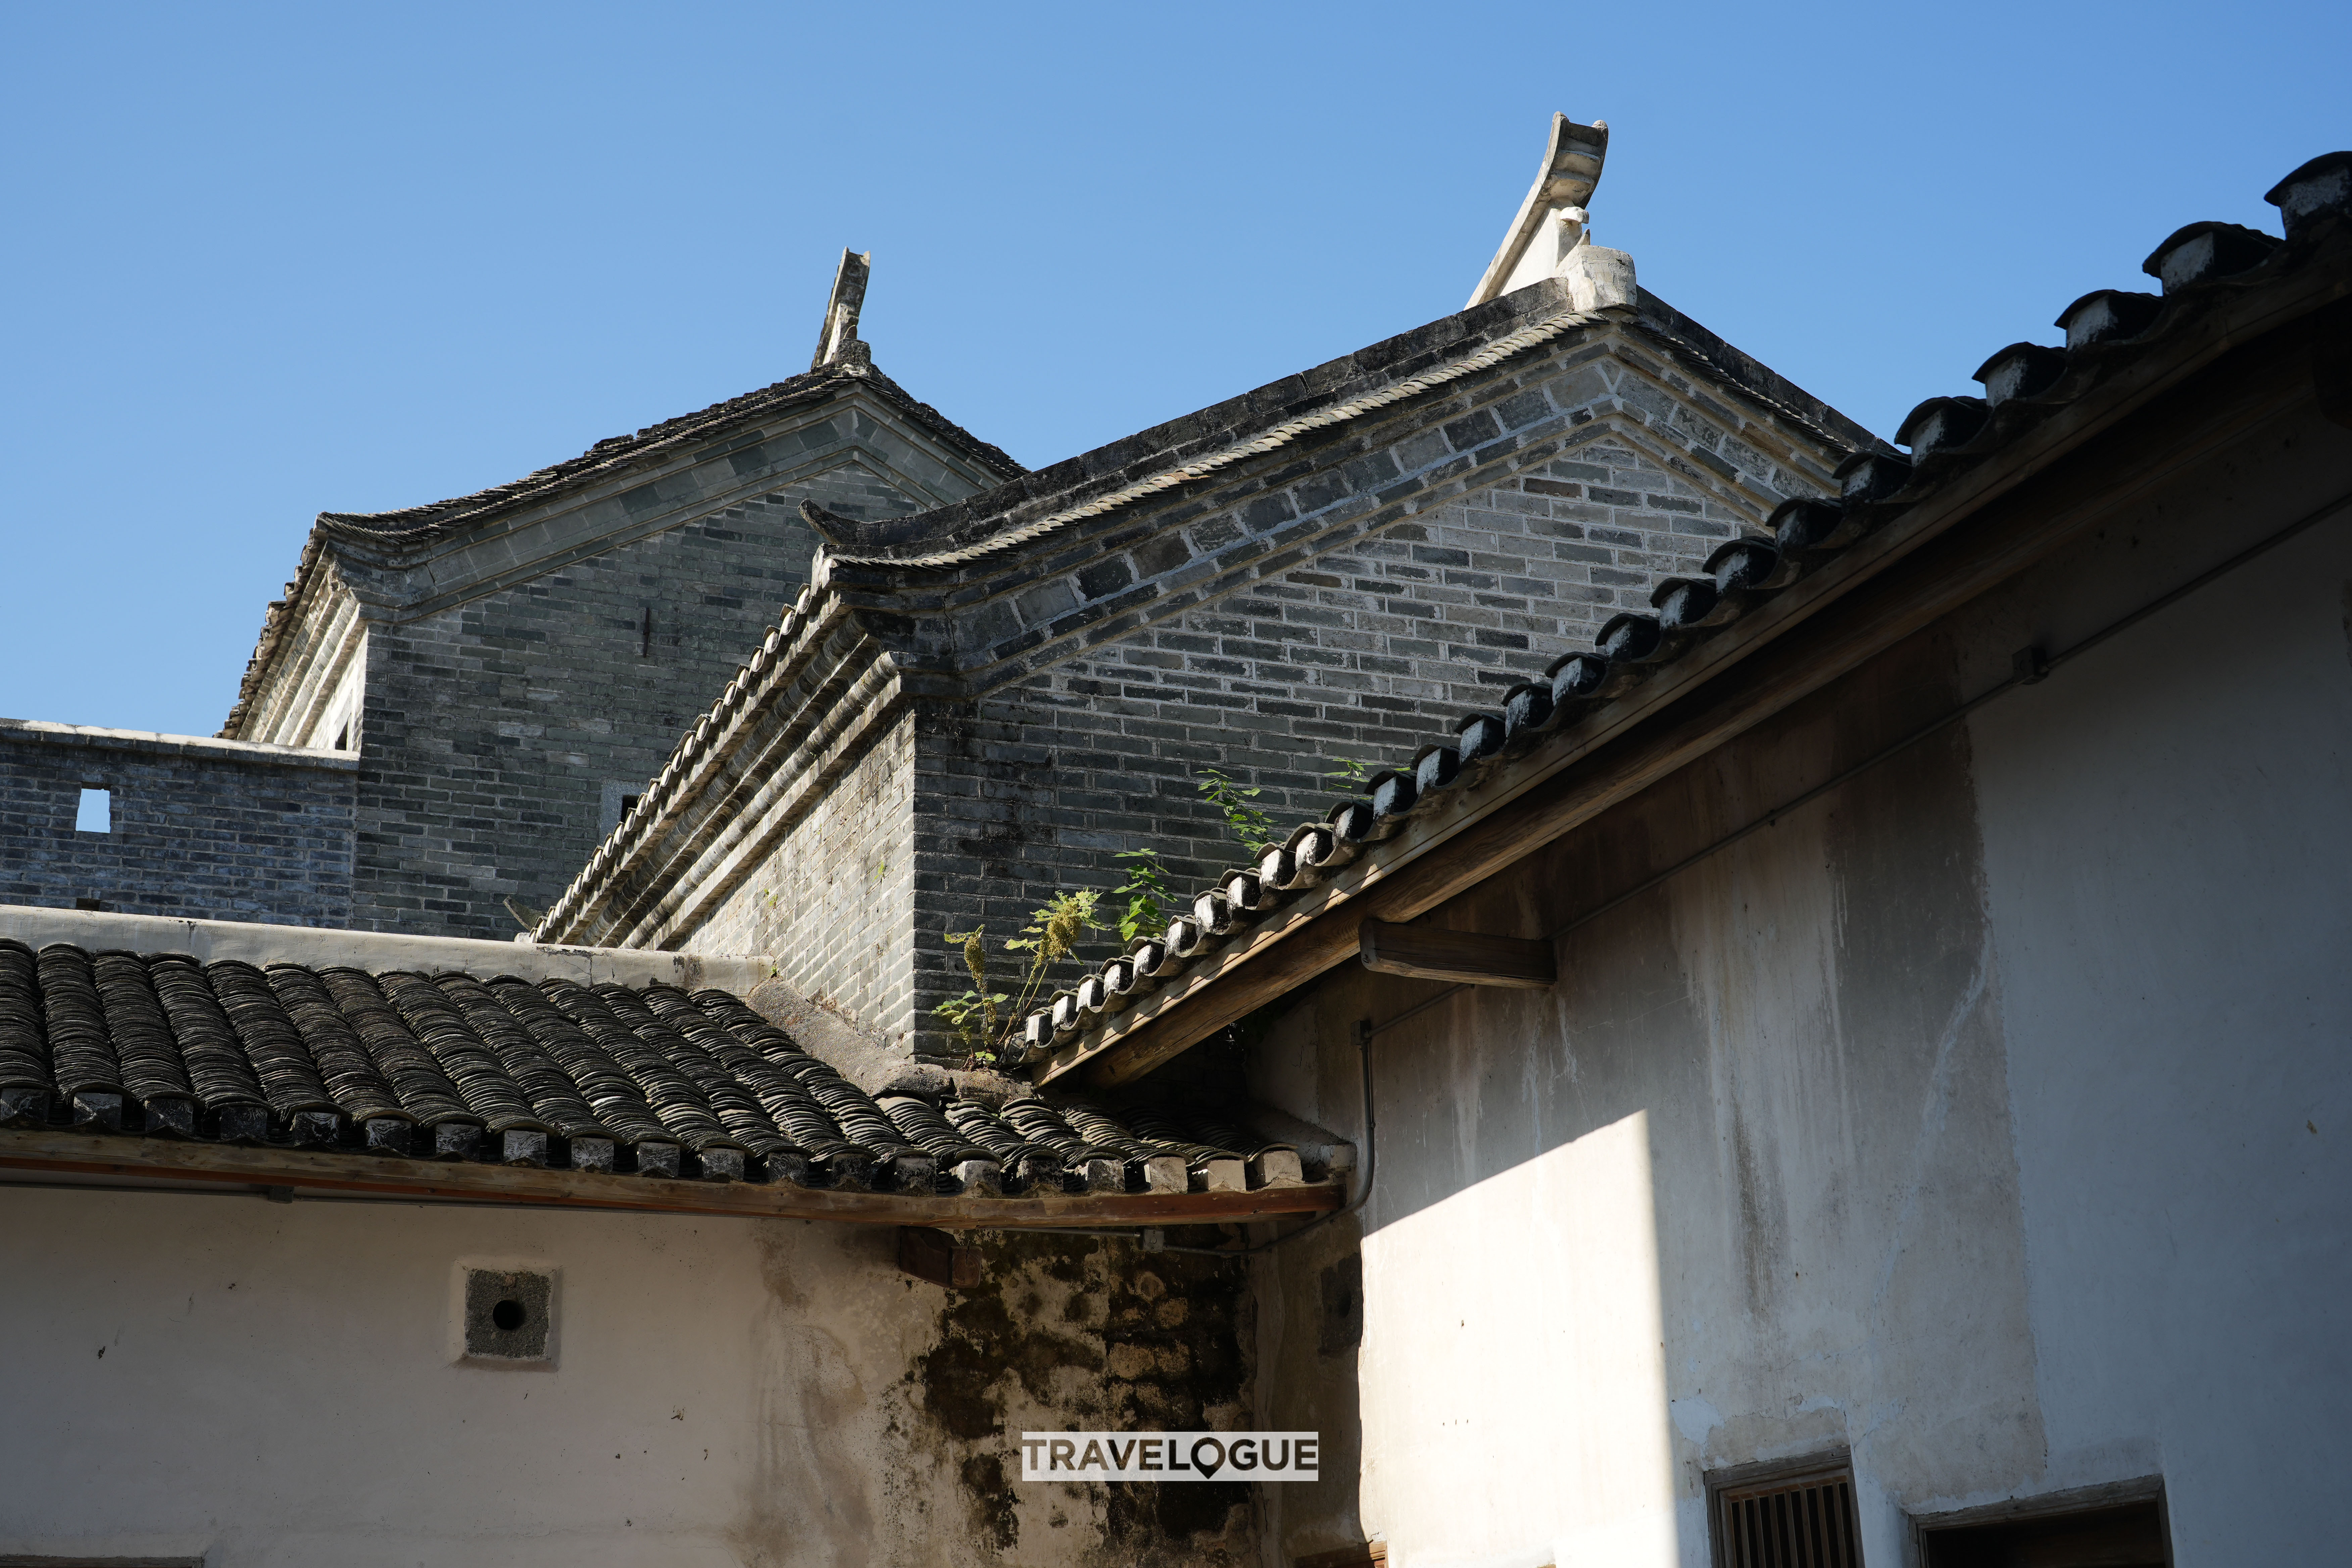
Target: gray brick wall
<point>491,730</point>
<point>528,670</point>
<point>1351,608</point>
<point>828,903</point>
<point>200,830</point>
<point>1346,600</point>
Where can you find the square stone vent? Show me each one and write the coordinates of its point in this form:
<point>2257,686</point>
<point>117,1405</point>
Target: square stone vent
<point>509,1315</point>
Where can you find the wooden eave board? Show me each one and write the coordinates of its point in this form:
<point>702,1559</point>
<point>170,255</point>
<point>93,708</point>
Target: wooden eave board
<point>457,1182</point>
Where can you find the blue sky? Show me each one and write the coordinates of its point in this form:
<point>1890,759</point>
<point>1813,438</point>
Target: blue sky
<point>266,261</point>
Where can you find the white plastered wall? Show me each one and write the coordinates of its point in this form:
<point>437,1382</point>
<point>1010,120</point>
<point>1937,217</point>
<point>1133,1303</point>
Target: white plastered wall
<point>262,1384</point>
<point>2167,849</point>
<point>1534,1290</point>
<point>1995,1106</point>
<point>266,1385</point>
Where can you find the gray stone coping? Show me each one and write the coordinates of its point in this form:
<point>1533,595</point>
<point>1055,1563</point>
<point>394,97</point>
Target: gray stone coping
<point>208,942</point>
<point>204,748</point>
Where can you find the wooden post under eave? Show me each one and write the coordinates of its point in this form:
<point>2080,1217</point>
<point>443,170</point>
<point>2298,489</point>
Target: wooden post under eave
<point>1467,958</point>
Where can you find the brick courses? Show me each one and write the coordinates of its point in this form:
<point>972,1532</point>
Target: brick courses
<point>1465,583</point>
<point>493,728</point>
<point>200,830</point>
<point>828,904</point>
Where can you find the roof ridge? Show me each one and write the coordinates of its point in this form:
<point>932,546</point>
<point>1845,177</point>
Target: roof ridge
<point>619,451</point>
<point>1542,330</point>
<point>444,517</point>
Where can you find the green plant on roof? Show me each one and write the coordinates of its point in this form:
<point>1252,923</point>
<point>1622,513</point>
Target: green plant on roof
<point>1147,893</point>
<point>1351,772</point>
<point>1251,823</point>
<point>972,1016</point>
<point>980,1019</point>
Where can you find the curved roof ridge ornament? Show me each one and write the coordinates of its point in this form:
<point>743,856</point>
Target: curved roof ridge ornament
<point>837,341</point>
<point>841,532</point>
<point>1556,202</point>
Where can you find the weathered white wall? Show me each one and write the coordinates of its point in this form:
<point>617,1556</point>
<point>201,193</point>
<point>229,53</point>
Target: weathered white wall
<point>271,1386</point>
<point>2167,850</point>
<point>1546,1274</point>
<point>268,1383</point>
<point>1740,1190</point>
<point>1990,1111</point>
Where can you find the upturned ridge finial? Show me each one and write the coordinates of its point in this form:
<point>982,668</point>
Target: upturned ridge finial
<point>1551,238</point>
<point>837,341</point>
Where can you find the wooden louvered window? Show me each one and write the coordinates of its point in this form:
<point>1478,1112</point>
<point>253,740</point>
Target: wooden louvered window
<point>1792,1520</point>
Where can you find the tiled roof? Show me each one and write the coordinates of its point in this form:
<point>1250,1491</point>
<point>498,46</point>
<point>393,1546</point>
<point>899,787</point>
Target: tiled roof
<point>411,528</point>
<point>603,1078</point>
<point>2201,269</point>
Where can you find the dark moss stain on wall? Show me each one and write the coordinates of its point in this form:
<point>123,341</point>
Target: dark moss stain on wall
<point>985,1483</point>
<point>1156,1343</point>
<point>1340,1289</point>
<point>983,1344</point>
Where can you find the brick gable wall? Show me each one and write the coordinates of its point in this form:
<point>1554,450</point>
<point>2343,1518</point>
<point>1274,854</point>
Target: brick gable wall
<point>525,676</point>
<point>1362,654</point>
<point>1349,598</point>
<point>494,731</point>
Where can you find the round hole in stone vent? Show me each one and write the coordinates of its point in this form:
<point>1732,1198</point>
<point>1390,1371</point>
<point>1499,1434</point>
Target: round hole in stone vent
<point>508,1316</point>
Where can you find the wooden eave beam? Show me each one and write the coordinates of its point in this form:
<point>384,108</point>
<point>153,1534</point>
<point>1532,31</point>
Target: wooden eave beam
<point>2056,484</point>
<point>1467,958</point>
<point>430,1181</point>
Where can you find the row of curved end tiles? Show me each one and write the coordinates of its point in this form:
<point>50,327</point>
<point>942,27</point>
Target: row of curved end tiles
<point>1029,1170</point>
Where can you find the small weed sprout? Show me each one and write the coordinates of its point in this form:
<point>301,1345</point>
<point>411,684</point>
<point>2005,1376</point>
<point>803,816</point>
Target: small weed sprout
<point>980,1019</point>
<point>1250,823</point>
<point>973,1015</point>
<point>1147,894</point>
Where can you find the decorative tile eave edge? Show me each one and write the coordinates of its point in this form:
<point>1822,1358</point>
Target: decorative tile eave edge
<point>437,598</point>
<point>817,389</point>
<point>851,714</point>
<point>1661,444</point>
<point>318,671</point>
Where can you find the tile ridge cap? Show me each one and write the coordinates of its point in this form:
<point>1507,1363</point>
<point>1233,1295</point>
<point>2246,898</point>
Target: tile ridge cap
<point>1540,330</point>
